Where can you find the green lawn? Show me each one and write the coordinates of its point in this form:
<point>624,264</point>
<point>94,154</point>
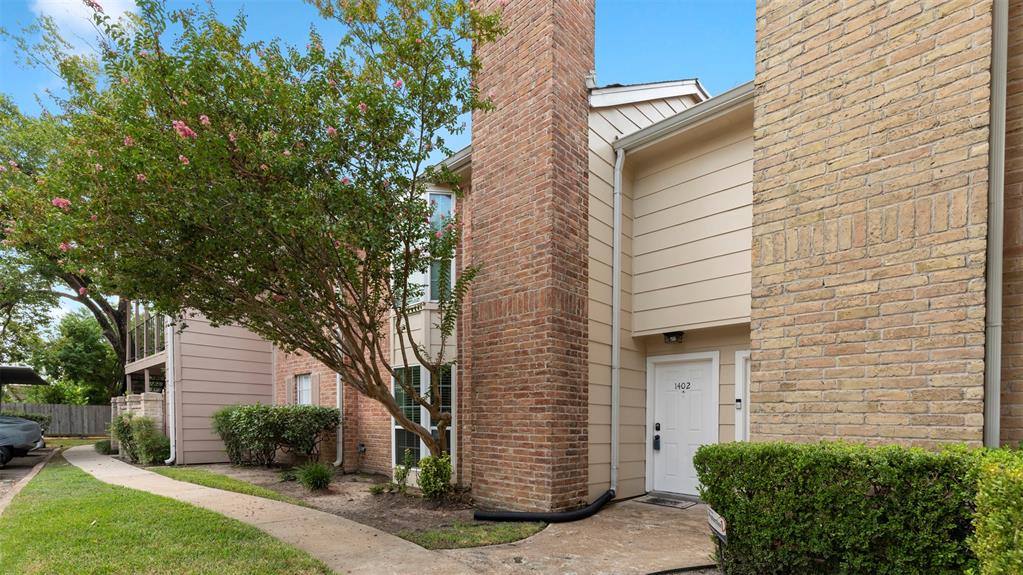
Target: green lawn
<point>71,441</point>
<point>471,534</point>
<point>218,481</point>
<point>65,521</point>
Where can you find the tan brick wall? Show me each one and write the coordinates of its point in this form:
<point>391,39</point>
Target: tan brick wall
<point>1012,309</point>
<point>527,339</point>
<point>869,220</point>
<point>365,421</point>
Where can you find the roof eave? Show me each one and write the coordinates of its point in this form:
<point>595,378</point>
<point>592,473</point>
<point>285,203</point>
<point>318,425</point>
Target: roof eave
<point>698,114</point>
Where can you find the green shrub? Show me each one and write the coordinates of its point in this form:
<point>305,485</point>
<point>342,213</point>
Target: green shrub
<point>151,446</point>
<point>379,488</point>
<point>314,475</point>
<point>253,434</point>
<point>998,523</point>
<point>103,446</point>
<point>120,430</point>
<point>41,418</point>
<point>223,427</point>
<point>288,475</point>
<point>840,509</point>
<point>435,476</point>
<point>401,472</point>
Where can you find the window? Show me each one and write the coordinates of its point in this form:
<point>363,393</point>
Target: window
<point>304,389</point>
<point>419,379</point>
<point>433,286</point>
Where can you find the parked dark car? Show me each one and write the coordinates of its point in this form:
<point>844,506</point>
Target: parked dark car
<point>17,437</point>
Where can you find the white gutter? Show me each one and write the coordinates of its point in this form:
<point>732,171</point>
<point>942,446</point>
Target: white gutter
<point>996,226</point>
<point>168,394</point>
<point>340,459</point>
<point>616,313</point>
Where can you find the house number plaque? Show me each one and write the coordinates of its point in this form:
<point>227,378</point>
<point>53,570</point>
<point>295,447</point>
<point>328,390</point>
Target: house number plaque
<point>683,386</point>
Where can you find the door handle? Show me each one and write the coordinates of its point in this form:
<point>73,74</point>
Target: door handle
<point>657,442</point>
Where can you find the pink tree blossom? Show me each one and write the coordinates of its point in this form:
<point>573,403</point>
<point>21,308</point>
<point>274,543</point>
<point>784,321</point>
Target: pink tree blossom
<point>345,181</point>
<point>140,178</point>
<point>62,203</point>
<point>129,141</point>
<point>94,5</point>
<point>183,130</point>
<point>204,120</point>
<point>363,107</point>
<point>331,130</point>
<point>65,247</point>
<point>183,159</point>
<point>82,291</point>
<point>232,137</point>
<point>93,217</point>
<point>399,84</point>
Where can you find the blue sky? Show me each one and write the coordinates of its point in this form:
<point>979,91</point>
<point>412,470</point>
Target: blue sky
<point>636,40</point>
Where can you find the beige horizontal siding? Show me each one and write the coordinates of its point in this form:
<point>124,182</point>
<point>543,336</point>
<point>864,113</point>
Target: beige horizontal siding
<point>605,125</point>
<point>215,367</point>
<point>693,231</point>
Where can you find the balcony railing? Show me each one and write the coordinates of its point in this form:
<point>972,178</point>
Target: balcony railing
<point>146,337</point>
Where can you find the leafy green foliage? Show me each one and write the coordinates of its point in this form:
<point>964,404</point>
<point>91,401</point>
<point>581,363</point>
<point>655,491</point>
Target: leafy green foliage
<point>999,519</point>
<point>314,475</point>
<point>841,509</point>
<point>197,170</point>
<point>41,418</point>
<point>151,446</point>
<point>253,434</point>
<point>121,431</point>
<point>435,475</point>
<point>104,447</point>
<point>401,472</point>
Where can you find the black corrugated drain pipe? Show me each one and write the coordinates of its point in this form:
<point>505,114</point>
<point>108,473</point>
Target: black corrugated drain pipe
<point>547,516</point>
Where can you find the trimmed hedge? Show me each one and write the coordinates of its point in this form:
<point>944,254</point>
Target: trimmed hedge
<point>998,539</point>
<point>252,434</point>
<point>435,476</point>
<point>841,509</point>
<point>41,418</point>
<point>139,440</point>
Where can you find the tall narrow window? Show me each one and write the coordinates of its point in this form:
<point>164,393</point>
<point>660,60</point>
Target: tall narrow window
<point>406,439</point>
<point>304,389</point>
<point>443,209</point>
<point>419,379</point>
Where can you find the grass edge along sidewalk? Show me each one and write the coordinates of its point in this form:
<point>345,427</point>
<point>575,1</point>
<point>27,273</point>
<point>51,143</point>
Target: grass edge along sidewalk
<point>66,521</point>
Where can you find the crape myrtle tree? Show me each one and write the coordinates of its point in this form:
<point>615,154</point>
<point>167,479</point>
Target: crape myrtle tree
<point>276,187</point>
<point>35,271</point>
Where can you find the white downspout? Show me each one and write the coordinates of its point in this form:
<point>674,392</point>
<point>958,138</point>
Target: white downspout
<point>616,313</point>
<point>168,394</point>
<point>340,459</point>
<point>996,226</point>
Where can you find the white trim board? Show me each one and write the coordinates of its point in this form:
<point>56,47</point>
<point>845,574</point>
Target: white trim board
<point>619,95</point>
<point>742,359</point>
<point>651,362</point>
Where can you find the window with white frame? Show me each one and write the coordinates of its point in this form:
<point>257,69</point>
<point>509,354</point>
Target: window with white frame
<point>304,389</point>
<point>443,205</point>
<point>418,379</point>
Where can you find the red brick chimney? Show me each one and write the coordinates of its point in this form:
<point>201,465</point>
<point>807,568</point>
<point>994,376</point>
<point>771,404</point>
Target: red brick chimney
<point>524,338</point>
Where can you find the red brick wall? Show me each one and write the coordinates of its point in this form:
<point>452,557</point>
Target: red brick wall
<point>526,341</point>
<point>1012,309</point>
<point>365,420</point>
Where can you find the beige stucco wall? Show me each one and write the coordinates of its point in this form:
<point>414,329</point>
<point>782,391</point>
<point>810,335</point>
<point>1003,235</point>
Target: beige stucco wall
<point>215,367</point>
<point>605,125</point>
<point>692,203</point>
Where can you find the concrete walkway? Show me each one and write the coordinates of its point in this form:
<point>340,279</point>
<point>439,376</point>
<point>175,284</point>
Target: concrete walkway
<point>344,545</point>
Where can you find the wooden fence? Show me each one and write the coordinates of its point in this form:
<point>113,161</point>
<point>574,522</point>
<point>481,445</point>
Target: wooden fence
<point>68,419</point>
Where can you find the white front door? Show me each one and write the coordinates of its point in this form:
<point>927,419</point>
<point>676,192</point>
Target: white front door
<point>685,416</point>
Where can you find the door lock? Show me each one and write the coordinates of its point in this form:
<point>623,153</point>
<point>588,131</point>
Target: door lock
<point>738,404</point>
<point>657,442</point>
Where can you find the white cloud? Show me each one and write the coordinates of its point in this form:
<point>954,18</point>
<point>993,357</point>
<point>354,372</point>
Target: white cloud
<point>74,18</point>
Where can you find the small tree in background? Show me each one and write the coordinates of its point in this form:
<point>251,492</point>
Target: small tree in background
<point>270,186</point>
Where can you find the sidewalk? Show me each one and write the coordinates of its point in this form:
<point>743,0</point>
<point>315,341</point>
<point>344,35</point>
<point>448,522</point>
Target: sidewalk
<point>344,545</point>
